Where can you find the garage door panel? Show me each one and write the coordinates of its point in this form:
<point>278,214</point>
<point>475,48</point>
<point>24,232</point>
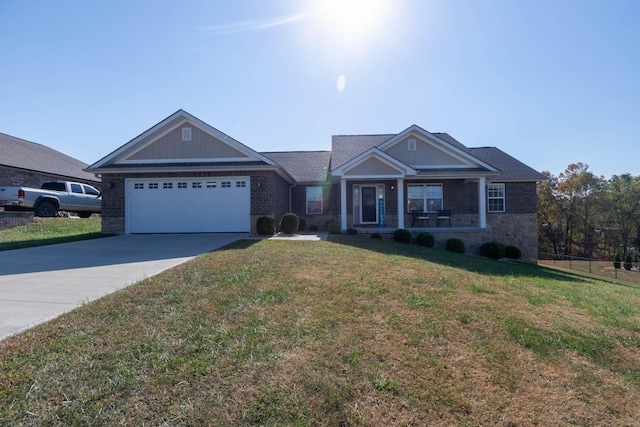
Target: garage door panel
<point>188,205</point>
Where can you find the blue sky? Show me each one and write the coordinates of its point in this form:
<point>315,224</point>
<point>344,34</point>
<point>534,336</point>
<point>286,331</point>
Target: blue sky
<point>549,82</point>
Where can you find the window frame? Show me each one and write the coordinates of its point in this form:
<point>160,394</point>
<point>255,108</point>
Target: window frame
<point>316,198</point>
<point>501,197</point>
<point>186,134</point>
<point>438,202</point>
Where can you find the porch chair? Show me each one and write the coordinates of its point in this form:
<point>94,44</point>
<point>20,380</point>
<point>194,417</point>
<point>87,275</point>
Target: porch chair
<point>444,215</point>
<point>420,218</point>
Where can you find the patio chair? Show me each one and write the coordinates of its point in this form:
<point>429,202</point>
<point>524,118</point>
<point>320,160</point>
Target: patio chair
<point>420,218</point>
<point>444,215</point>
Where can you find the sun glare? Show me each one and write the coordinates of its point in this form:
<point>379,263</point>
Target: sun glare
<point>354,22</point>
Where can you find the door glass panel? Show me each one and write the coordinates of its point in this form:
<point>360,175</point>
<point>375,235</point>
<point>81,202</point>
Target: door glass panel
<point>369,204</point>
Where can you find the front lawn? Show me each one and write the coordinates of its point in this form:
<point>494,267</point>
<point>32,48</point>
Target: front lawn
<point>47,231</point>
<point>354,331</point>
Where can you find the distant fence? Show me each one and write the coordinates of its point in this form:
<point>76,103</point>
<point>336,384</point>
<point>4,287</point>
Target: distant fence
<point>593,267</point>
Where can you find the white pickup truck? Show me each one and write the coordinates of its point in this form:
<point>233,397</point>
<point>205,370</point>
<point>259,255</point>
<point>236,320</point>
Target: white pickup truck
<point>53,197</point>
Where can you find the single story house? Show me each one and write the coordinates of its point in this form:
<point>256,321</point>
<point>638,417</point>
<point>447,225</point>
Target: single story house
<point>183,175</point>
<point>28,164</point>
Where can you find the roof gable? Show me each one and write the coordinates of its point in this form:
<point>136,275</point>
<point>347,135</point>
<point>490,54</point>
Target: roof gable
<point>163,145</point>
<point>345,147</point>
<point>426,151</point>
<point>201,146</point>
<point>374,162</point>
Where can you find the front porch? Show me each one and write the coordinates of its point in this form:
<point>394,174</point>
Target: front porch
<point>391,203</point>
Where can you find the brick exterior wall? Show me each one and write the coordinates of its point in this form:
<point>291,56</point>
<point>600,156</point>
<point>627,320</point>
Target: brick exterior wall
<point>22,178</point>
<point>271,200</point>
<point>521,197</point>
<point>329,201</point>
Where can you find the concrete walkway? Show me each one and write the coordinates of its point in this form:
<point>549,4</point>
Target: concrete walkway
<point>38,284</point>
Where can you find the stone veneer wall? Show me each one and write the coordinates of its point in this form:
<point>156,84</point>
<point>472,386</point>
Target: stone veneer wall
<point>516,229</point>
<point>519,230</point>
<point>14,219</point>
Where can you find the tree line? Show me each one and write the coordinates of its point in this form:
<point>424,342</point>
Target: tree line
<point>581,214</point>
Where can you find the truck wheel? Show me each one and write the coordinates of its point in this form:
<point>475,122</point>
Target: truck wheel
<point>46,210</point>
<point>84,214</point>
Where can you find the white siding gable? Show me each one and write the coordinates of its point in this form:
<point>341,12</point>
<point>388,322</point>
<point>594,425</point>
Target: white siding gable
<point>426,154</point>
<point>372,166</point>
<point>171,147</point>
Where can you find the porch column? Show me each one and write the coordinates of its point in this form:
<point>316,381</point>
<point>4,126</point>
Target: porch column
<point>400,189</point>
<point>343,204</point>
<point>482,202</point>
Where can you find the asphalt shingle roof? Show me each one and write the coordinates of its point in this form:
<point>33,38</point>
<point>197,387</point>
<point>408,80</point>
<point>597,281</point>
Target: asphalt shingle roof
<point>510,168</point>
<point>303,166</point>
<point>346,147</point>
<point>21,154</point>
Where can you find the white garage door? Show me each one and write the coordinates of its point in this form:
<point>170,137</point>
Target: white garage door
<point>187,205</point>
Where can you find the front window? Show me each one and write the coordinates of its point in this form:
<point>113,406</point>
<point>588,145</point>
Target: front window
<point>424,197</point>
<point>495,197</point>
<point>314,200</point>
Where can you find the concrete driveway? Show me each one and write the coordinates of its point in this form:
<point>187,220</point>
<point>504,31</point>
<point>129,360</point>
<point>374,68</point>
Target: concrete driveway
<point>38,284</point>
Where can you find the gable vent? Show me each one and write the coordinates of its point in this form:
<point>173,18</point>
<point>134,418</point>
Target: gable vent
<point>411,144</point>
<point>186,134</point>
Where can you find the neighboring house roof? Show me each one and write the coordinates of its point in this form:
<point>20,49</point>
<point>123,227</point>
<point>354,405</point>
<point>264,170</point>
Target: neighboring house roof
<point>304,166</point>
<point>29,156</point>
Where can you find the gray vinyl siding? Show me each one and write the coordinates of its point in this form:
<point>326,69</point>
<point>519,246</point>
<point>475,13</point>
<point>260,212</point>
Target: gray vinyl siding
<point>201,146</point>
<point>424,155</point>
<point>372,166</point>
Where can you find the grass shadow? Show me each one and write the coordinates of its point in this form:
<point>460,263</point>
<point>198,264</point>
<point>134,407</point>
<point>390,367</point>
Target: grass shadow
<point>30,243</point>
<point>472,263</point>
<point>238,245</point>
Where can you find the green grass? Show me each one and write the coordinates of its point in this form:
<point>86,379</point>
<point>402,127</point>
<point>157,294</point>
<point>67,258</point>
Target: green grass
<point>48,231</point>
<point>353,332</point>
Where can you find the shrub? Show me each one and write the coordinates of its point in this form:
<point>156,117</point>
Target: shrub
<point>352,231</point>
<point>376,236</point>
<point>402,235</point>
<point>616,260</point>
<point>493,250</point>
<point>628,261</point>
<point>266,226</point>
<point>302,224</point>
<point>289,223</point>
<point>455,245</point>
<point>425,239</point>
<point>333,227</point>
<point>512,252</point>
